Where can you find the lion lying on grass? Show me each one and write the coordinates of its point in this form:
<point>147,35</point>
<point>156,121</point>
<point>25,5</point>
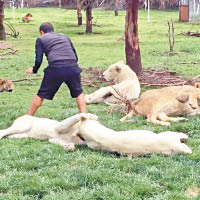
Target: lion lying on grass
<point>63,133</point>
<point>132,142</point>
<point>126,86</point>
<point>6,85</point>
<point>158,104</point>
<point>68,132</point>
<point>27,18</point>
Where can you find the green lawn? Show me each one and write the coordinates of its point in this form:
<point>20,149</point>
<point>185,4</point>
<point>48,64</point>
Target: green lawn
<point>33,169</point>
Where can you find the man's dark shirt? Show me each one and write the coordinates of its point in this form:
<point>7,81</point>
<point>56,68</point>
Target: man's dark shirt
<point>58,49</point>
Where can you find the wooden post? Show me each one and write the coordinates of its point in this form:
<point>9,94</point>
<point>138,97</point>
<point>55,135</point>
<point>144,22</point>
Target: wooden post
<point>13,9</point>
<point>148,11</point>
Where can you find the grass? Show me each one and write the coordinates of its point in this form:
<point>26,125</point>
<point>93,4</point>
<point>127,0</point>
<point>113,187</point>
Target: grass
<point>33,169</point>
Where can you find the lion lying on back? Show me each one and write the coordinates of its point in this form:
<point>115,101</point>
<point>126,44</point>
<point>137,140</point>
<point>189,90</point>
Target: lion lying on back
<point>85,126</point>
<point>158,104</point>
<point>63,133</point>
<point>126,86</point>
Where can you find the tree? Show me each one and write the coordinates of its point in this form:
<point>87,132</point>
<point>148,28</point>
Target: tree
<point>79,14</point>
<point>133,58</point>
<point>116,7</point>
<point>59,3</point>
<point>88,9</point>
<point>2,28</point>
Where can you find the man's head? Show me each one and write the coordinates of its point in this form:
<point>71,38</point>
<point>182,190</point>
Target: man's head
<point>46,28</point>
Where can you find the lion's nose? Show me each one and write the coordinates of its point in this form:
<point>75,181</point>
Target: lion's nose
<point>10,90</point>
<point>103,76</point>
<point>193,107</point>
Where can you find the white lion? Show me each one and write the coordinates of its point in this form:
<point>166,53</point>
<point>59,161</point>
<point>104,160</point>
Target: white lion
<point>132,142</point>
<point>63,133</point>
<point>126,86</point>
<point>85,129</point>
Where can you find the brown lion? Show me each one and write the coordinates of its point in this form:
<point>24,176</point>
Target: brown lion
<point>6,85</point>
<point>158,104</point>
<point>27,18</point>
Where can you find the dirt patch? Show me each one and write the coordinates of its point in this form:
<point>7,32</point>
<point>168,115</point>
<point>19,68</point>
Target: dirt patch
<point>148,77</point>
<point>189,33</point>
<point>163,78</point>
<point>93,74</point>
<point>94,33</point>
<point>4,46</point>
<point>6,49</point>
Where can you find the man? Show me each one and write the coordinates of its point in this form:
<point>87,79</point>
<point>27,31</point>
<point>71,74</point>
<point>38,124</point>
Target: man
<point>62,60</point>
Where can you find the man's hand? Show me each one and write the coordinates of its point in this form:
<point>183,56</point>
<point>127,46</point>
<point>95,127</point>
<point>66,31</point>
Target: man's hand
<point>29,71</point>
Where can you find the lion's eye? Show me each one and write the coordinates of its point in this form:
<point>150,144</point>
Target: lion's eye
<point>198,101</point>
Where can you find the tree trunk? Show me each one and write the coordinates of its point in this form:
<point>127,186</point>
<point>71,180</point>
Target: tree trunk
<point>116,7</point>
<point>2,28</point>
<point>59,4</point>
<point>89,17</point>
<point>79,14</point>
<point>161,4</point>
<point>22,3</point>
<point>132,49</point>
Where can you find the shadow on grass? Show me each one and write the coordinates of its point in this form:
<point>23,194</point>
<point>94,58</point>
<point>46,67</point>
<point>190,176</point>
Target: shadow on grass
<point>111,154</point>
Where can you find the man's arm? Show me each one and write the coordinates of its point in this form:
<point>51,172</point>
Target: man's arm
<point>38,55</point>
<point>74,50</point>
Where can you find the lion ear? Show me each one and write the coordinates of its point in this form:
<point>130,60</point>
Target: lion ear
<point>118,68</point>
<point>197,85</point>
<point>182,98</point>
<point>83,118</point>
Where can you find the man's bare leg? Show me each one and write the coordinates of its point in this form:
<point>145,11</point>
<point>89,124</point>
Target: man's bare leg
<point>81,103</point>
<point>36,103</point>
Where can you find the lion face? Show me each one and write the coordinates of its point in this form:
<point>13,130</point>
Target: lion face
<point>6,85</point>
<point>113,71</point>
<point>194,99</point>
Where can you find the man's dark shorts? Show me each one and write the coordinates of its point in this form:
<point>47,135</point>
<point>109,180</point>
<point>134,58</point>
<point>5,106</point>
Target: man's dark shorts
<point>55,76</point>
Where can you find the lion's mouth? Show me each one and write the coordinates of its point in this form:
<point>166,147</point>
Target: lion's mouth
<point>109,94</point>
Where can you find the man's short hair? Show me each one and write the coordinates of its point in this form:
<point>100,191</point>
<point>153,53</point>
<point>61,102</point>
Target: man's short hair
<point>46,27</point>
